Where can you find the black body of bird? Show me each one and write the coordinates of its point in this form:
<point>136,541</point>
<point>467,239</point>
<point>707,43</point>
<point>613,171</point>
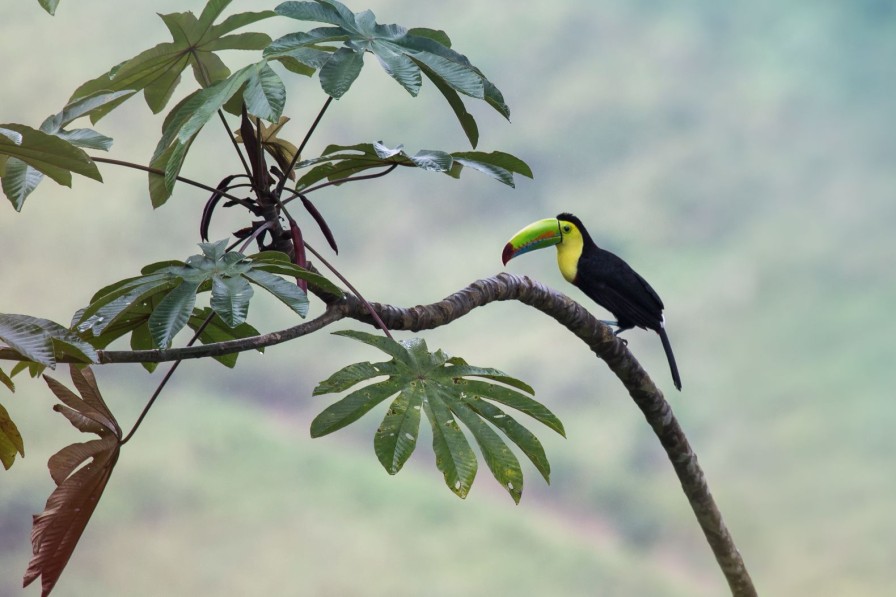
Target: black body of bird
<point>612,283</point>
<point>604,277</point>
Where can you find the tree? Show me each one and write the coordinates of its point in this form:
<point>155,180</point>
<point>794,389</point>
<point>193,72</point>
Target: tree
<point>153,307</point>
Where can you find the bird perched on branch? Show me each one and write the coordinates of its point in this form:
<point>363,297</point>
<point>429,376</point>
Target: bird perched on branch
<point>602,276</point>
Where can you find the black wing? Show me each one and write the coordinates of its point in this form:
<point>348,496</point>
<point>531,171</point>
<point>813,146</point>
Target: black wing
<point>613,284</point>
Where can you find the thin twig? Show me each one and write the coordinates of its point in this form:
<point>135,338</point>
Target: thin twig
<point>162,173</point>
<point>295,158</point>
<point>340,181</point>
<point>367,306</point>
<point>168,375</point>
<point>236,145</point>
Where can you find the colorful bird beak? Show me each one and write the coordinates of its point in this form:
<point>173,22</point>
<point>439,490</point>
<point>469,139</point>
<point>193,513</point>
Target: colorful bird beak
<point>537,235</point>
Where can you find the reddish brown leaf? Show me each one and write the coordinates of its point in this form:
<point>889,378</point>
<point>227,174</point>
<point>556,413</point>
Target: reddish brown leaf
<point>81,472</point>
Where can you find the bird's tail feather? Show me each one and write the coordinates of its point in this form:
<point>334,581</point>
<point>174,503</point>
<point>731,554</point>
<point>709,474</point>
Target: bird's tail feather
<point>668,348</point>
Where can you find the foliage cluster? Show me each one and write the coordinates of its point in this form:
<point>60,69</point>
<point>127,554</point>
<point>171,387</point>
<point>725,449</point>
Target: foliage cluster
<point>152,308</point>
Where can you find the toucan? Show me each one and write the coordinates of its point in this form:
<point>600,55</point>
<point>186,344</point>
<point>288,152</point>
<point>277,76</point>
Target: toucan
<point>604,277</point>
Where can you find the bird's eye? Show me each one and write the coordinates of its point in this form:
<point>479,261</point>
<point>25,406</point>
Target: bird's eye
<point>567,228</point>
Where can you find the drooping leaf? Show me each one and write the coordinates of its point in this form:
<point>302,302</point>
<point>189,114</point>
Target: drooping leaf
<point>10,439</point>
<point>262,92</point>
<point>434,383</point>
<point>454,456</point>
<point>79,483</point>
<point>41,340</point>
<point>404,54</point>
<point>20,179</point>
<point>47,154</point>
<point>157,71</point>
<point>396,438</point>
<point>497,164</point>
<point>338,162</point>
<point>498,456</point>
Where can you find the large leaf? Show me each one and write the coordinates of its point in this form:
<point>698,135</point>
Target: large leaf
<point>263,94</point>
<point>338,162</point>
<point>404,54</point>
<point>79,483</point>
<point>433,383</point>
<point>160,303</point>
<point>10,439</point>
<point>157,71</point>
<point>41,340</point>
<point>22,147</point>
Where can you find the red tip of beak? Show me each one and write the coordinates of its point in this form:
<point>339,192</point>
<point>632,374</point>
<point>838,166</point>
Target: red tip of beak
<point>507,253</point>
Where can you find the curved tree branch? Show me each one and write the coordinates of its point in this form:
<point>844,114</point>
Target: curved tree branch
<point>596,335</point>
<point>601,340</point>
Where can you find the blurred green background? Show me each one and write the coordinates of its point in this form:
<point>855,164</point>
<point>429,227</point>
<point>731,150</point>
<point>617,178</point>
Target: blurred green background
<point>739,155</point>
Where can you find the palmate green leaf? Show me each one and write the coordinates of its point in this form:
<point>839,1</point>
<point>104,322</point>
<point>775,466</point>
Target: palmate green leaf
<point>10,439</point>
<point>158,304</point>
<point>157,71</point>
<point>437,384</point>
<point>48,154</point>
<point>404,54</point>
<point>41,340</point>
<point>338,162</point>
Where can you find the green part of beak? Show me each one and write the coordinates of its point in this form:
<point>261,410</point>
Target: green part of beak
<point>537,235</point>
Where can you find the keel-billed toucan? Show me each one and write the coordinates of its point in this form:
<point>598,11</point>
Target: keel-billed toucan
<point>605,278</point>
